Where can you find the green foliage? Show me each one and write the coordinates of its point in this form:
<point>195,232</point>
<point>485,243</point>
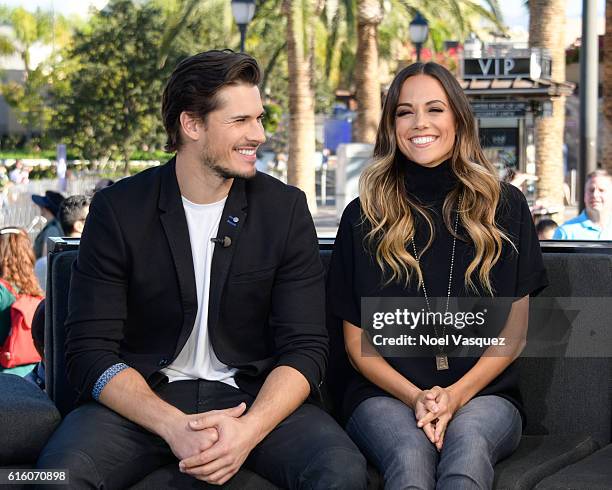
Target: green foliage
<point>108,91</point>
<point>21,154</point>
<point>103,98</point>
<point>448,20</point>
<point>193,26</point>
<point>28,98</point>
<point>39,173</point>
<point>272,118</point>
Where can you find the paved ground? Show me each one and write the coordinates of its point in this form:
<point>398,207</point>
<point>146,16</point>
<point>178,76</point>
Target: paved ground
<point>325,221</point>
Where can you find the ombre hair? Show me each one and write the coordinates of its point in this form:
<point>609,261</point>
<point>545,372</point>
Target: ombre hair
<point>17,261</point>
<point>390,211</point>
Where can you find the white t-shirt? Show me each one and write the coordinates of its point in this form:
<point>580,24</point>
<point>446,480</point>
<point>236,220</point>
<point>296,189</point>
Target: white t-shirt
<point>197,360</point>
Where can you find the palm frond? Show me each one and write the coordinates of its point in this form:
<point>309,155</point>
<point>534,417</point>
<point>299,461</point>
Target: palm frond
<point>173,30</point>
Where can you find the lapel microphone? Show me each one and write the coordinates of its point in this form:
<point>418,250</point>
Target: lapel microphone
<point>225,241</point>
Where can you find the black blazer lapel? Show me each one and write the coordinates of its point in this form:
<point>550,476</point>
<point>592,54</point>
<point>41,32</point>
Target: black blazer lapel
<point>174,222</point>
<point>231,224</point>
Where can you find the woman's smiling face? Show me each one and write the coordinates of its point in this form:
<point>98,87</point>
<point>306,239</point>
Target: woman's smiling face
<point>424,121</point>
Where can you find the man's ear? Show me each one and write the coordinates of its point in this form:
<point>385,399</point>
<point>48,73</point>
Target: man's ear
<point>192,127</point>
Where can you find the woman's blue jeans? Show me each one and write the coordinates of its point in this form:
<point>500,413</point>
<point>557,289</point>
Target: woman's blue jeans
<point>485,430</point>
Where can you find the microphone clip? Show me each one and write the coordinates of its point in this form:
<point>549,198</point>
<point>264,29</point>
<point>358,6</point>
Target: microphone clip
<point>225,241</point>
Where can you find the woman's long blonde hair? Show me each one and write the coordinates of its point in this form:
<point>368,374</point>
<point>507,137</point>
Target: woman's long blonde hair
<point>390,211</point>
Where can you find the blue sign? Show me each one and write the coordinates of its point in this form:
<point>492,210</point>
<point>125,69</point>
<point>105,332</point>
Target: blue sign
<point>336,132</point>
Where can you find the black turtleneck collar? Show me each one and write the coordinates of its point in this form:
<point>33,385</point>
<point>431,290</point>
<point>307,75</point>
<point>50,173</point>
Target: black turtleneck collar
<point>427,184</point>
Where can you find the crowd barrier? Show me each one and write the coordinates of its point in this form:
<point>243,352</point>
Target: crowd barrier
<point>568,401</point>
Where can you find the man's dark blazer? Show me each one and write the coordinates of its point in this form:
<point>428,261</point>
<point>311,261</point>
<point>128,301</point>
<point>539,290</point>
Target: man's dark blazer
<point>133,292</point>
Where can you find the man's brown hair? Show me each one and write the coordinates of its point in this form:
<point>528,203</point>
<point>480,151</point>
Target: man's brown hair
<point>195,82</point>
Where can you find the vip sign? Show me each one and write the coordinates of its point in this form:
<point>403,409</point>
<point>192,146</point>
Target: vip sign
<point>497,67</point>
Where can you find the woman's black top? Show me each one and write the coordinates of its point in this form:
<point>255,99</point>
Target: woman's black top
<point>354,274</point>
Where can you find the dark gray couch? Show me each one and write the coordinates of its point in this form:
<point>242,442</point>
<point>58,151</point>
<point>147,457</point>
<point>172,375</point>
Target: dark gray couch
<point>568,401</point>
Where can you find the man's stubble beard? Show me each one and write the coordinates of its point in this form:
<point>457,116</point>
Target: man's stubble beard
<point>209,160</point>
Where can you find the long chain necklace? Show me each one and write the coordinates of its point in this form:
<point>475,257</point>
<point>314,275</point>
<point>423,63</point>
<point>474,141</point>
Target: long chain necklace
<point>441,357</point>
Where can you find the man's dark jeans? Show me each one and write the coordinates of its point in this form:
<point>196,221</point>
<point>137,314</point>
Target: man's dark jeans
<point>103,450</point>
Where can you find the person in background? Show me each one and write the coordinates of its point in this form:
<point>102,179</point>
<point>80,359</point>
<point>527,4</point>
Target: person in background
<point>18,175</point>
<point>37,375</point>
<point>595,222</point>
<point>17,269</point>
<point>546,229</point>
<point>5,183</point>
<point>49,206</point>
<point>102,184</point>
<point>72,213</point>
<point>518,179</point>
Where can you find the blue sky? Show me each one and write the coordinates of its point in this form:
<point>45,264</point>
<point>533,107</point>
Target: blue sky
<point>515,12</point>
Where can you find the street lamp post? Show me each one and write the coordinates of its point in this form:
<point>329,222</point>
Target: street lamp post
<point>589,55</point>
<point>243,11</point>
<point>419,29</point>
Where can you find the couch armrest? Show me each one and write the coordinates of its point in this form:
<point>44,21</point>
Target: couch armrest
<point>27,420</point>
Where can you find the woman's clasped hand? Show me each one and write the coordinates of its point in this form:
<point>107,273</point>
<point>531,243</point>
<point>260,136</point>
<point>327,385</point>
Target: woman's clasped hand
<point>433,410</point>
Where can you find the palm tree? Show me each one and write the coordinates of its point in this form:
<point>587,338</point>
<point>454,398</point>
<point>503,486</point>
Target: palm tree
<point>607,91</point>
<point>367,85</point>
<point>345,28</point>
<point>452,18</point>
<point>546,30</point>
<point>300,51</point>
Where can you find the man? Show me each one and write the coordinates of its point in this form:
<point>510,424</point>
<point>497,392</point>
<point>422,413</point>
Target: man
<point>595,222</point>
<point>49,206</point>
<point>196,310</point>
<point>72,213</point>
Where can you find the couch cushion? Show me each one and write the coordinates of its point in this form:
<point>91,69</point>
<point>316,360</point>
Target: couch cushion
<point>577,275</point>
<point>27,419</point>
<point>555,389</point>
<point>567,396</point>
<point>538,457</point>
<point>592,473</point>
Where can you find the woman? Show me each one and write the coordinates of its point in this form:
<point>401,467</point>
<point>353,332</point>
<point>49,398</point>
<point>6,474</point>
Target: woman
<point>433,220</point>
<point>17,278</point>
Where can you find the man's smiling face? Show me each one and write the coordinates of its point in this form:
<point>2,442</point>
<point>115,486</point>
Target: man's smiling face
<point>233,132</point>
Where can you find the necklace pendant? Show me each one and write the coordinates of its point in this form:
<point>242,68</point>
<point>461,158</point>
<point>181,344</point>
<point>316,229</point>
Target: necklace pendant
<point>441,362</point>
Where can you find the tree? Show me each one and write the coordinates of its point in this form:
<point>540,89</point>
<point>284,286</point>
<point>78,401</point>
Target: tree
<point>109,102</point>
<point>546,30</point>
<point>607,91</point>
<point>29,101</point>
<point>300,64</point>
<point>193,26</point>
<point>367,86</point>
<point>448,18</point>
<point>28,97</point>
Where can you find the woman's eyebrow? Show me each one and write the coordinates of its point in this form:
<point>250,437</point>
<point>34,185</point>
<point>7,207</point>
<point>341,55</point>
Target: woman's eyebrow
<point>408,104</point>
<point>436,101</point>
